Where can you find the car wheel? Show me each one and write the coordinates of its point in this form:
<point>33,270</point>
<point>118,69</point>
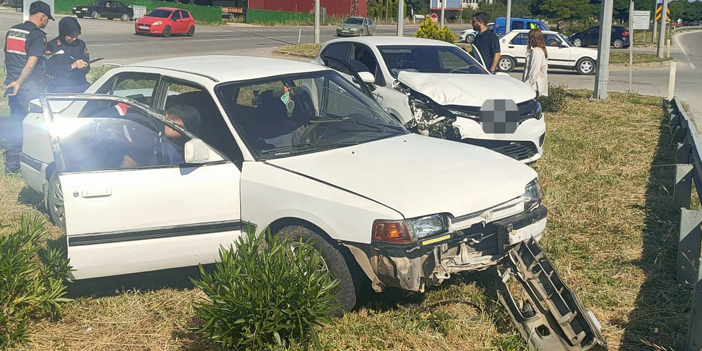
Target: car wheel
<point>54,202</point>
<point>585,65</point>
<point>95,15</point>
<point>125,17</point>
<point>506,64</point>
<point>577,42</point>
<point>191,31</point>
<point>618,43</point>
<point>469,39</point>
<point>167,32</point>
<point>333,259</point>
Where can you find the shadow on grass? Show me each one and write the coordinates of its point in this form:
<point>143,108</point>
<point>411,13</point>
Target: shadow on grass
<point>659,319</point>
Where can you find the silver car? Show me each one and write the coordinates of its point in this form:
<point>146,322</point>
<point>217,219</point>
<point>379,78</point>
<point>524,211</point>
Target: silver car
<point>356,26</point>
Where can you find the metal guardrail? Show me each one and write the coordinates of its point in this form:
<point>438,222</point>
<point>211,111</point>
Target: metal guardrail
<point>688,169</point>
<point>686,28</point>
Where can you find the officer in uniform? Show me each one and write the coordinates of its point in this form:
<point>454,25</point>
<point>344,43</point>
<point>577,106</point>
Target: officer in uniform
<point>25,46</point>
<point>68,60</point>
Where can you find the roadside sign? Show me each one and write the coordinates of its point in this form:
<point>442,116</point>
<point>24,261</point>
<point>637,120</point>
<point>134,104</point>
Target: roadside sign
<point>659,9</point>
<point>641,20</point>
<point>434,17</point>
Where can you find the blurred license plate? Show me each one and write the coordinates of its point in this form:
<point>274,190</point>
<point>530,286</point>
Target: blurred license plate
<point>143,27</point>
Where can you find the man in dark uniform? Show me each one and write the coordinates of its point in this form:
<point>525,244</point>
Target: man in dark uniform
<point>486,42</point>
<point>25,45</point>
<point>68,60</point>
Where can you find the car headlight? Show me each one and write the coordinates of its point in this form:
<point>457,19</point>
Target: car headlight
<point>157,23</point>
<point>466,114</point>
<point>532,196</point>
<point>408,230</point>
<point>84,9</point>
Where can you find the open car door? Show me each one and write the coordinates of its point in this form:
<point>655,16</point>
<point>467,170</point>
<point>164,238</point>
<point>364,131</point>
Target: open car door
<point>132,197</point>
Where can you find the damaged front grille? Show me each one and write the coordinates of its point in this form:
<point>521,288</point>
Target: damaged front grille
<point>518,150</point>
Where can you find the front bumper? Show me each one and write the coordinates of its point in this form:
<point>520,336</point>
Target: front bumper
<point>433,260</point>
<point>148,29</point>
<point>525,144</point>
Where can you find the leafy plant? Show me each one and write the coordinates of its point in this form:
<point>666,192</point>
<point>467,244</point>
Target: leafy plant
<point>32,281</point>
<point>430,30</point>
<point>556,99</point>
<point>264,293</point>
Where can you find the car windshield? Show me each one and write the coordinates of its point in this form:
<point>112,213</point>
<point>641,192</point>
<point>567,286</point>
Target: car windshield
<point>304,113</point>
<point>160,13</point>
<point>429,59</point>
<point>353,20</point>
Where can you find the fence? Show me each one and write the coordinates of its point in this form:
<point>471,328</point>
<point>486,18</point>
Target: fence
<point>688,169</point>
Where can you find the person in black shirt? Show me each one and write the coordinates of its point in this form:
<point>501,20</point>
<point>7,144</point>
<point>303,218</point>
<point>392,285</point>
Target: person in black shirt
<point>25,45</point>
<point>486,43</point>
<point>68,59</point>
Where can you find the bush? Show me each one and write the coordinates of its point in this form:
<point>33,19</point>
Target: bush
<point>556,99</point>
<point>32,281</point>
<point>264,294</point>
<point>202,14</point>
<point>430,30</point>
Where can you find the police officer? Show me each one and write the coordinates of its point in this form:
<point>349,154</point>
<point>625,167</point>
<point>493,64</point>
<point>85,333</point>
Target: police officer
<point>68,60</point>
<point>25,45</point>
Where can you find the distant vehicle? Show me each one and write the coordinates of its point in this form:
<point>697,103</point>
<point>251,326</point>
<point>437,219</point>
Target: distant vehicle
<point>591,36</point>
<point>561,53</point>
<point>516,24</point>
<point>468,35</point>
<point>107,9</point>
<point>165,21</point>
<point>356,27</point>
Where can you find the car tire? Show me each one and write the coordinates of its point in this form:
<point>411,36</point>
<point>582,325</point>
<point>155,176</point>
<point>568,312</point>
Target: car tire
<point>79,16</point>
<point>95,15</point>
<point>618,43</point>
<point>577,42</point>
<point>54,202</point>
<point>166,32</point>
<point>469,39</point>
<point>125,17</point>
<point>585,65</point>
<point>506,64</point>
<point>191,31</point>
<point>346,291</point>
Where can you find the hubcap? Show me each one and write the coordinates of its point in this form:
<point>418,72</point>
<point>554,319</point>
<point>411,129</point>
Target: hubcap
<point>57,207</point>
<point>577,42</point>
<point>505,65</point>
<point>586,66</point>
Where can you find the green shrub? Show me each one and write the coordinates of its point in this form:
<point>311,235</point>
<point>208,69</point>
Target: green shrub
<point>263,294</point>
<point>430,30</point>
<point>202,14</point>
<point>32,281</point>
<point>556,99</point>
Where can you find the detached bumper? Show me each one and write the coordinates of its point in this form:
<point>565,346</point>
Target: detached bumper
<point>433,260</point>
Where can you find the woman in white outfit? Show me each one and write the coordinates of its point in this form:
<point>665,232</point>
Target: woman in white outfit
<point>535,71</point>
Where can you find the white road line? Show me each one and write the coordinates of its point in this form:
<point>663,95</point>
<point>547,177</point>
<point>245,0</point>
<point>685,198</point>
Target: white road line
<point>682,48</point>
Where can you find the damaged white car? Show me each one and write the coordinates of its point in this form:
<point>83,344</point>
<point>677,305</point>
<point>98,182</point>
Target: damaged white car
<point>435,88</point>
<point>272,144</point>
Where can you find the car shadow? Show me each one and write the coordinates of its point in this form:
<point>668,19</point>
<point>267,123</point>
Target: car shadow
<point>661,312</point>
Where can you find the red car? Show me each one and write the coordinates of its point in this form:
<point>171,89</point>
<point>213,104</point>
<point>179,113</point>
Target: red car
<point>166,21</point>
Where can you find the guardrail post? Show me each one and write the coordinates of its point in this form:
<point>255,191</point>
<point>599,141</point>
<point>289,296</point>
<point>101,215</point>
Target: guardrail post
<point>694,334</point>
<point>671,80</point>
<point>689,245</point>
<point>682,189</point>
<point>682,155</point>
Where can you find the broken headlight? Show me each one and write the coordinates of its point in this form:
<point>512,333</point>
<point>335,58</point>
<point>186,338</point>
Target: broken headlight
<point>532,196</point>
<point>408,230</point>
<point>466,114</point>
<point>536,113</point>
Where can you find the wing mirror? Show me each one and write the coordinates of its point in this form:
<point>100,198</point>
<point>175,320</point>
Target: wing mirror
<point>368,79</point>
<point>197,152</point>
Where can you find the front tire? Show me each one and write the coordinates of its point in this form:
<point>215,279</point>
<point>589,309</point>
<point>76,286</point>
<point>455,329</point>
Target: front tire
<point>191,31</point>
<point>167,32</point>
<point>95,15</point>
<point>506,64</point>
<point>125,17</point>
<point>578,42</point>
<point>79,16</point>
<point>585,65</point>
<point>346,290</point>
<point>54,202</point>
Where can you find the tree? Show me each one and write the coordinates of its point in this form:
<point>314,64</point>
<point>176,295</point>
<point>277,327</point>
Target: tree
<point>568,9</point>
<point>419,6</point>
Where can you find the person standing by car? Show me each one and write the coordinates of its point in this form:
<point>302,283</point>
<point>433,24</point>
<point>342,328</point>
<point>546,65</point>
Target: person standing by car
<point>536,68</point>
<point>68,59</point>
<point>486,42</point>
<point>25,45</point>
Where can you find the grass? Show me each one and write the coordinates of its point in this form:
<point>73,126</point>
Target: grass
<point>623,58</point>
<point>607,179</point>
<point>202,14</point>
<point>308,50</point>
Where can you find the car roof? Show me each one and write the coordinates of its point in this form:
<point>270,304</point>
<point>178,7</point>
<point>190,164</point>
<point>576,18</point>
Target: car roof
<point>226,68</point>
<point>390,40</point>
<point>528,30</point>
<point>169,8</point>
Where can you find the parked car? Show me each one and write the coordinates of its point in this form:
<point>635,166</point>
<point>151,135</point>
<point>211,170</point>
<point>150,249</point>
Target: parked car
<point>468,35</point>
<point>282,145</point>
<point>435,88</point>
<point>165,21</point>
<point>356,26</point>
<point>561,53</point>
<point>109,9</point>
<point>591,36</point>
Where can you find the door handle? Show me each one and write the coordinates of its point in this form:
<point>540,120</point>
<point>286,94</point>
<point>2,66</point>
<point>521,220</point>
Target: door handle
<point>96,192</point>
<point>511,47</point>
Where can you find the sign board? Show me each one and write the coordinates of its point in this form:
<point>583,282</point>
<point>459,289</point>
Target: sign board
<point>235,10</point>
<point>434,17</point>
<point>27,3</point>
<point>450,4</point>
<point>641,20</point>
<point>659,9</point>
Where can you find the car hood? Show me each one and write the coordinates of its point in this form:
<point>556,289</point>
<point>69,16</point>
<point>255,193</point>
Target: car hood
<point>150,20</point>
<point>349,25</point>
<point>466,89</point>
<point>418,175</point>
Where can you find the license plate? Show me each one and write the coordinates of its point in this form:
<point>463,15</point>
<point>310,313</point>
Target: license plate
<point>143,27</point>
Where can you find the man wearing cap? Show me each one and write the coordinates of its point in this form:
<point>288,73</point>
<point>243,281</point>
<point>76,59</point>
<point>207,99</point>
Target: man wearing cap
<point>25,45</point>
<point>67,61</point>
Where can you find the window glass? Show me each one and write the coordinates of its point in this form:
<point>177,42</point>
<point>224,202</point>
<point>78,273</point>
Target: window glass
<point>176,15</point>
<point>552,40</point>
<point>520,39</point>
<point>426,59</point>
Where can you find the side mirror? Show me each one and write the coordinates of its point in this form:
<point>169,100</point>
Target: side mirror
<point>35,106</point>
<point>196,151</point>
<point>368,79</point>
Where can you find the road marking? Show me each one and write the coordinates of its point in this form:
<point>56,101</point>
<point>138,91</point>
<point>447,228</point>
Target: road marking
<point>682,48</point>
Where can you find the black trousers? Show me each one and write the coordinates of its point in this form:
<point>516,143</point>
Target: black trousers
<point>19,107</point>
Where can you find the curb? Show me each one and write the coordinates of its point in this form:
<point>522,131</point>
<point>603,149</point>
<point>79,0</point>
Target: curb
<point>641,65</point>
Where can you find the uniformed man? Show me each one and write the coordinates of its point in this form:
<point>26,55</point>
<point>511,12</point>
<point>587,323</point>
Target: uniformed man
<point>25,46</point>
<point>68,60</point>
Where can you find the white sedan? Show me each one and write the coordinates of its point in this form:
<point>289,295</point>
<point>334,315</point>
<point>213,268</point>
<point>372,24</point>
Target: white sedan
<point>268,143</point>
<point>561,53</point>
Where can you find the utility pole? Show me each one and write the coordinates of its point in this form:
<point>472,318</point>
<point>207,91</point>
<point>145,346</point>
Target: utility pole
<point>400,18</point>
<point>387,9</point>
<point>443,10</point>
<point>316,21</point>
<point>662,31</point>
<point>631,44</point>
<point>655,23</point>
<point>602,71</point>
<point>509,16</point>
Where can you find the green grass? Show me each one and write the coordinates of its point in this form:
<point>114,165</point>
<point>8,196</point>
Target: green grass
<point>623,58</point>
<point>202,14</point>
